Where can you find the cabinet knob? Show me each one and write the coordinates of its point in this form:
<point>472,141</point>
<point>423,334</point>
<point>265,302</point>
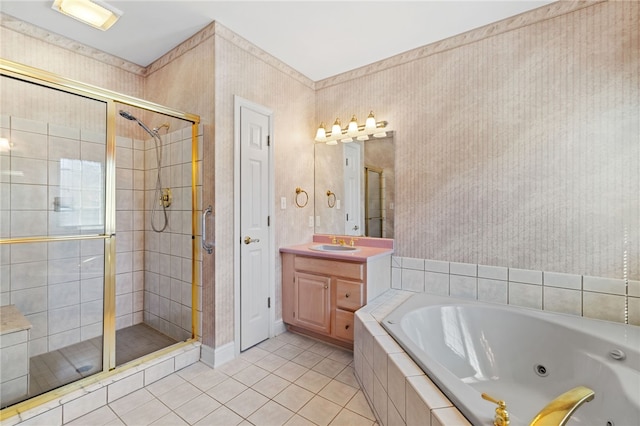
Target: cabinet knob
<point>346,327</point>
<point>326,286</point>
<point>347,295</point>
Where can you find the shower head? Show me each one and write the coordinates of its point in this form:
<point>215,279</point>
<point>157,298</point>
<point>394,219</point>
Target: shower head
<point>128,116</point>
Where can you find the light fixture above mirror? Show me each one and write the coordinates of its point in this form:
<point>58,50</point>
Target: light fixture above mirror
<point>374,128</point>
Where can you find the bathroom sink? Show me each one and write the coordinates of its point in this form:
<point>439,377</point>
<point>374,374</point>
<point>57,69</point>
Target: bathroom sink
<point>332,247</point>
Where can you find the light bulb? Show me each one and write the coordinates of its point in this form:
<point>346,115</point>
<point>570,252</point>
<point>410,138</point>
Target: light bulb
<point>336,129</point>
<point>321,134</point>
<point>346,140</point>
<point>352,130</point>
<point>380,135</point>
<point>363,138</point>
<point>333,142</point>
<point>370,124</point>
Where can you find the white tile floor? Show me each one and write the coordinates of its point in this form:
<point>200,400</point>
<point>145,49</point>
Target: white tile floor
<point>286,380</point>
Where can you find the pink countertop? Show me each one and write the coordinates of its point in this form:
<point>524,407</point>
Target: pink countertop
<point>368,248</point>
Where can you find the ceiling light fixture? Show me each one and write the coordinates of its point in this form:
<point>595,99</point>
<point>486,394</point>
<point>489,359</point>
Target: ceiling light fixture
<point>96,13</point>
<point>353,131</point>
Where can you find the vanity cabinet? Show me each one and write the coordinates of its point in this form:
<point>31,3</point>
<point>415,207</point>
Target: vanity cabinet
<point>320,295</point>
<point>312,302</point>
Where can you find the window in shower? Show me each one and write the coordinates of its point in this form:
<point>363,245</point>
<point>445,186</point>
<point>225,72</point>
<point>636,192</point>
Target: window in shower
<point>80,205</point>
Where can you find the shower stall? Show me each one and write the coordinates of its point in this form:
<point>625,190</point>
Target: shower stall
<point>98,196</point>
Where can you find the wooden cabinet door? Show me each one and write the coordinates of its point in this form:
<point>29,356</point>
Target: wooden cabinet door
<point>313,302</point>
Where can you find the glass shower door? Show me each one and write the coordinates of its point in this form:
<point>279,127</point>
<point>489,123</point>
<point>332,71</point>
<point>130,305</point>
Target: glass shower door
<point>53,180</point>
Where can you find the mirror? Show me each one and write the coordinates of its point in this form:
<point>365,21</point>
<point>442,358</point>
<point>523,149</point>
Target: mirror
<point>355,188</point>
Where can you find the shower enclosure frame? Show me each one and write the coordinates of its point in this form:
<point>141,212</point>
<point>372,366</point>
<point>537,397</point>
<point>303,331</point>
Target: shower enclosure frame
<point>110,98</point>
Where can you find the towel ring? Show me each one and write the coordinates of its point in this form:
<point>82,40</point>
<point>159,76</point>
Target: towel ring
<point>331,199</point>
<point>306,197</point>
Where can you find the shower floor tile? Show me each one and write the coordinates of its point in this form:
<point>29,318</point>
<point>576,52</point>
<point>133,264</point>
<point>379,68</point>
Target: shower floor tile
<point>60,367</point>
<point>139,340</point>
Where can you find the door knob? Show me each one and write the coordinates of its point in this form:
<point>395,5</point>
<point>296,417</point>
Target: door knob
<point>355,228</point>
<point>249,240</point>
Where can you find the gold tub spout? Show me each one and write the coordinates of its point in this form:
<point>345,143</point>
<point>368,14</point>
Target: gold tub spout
<point>558,411</point>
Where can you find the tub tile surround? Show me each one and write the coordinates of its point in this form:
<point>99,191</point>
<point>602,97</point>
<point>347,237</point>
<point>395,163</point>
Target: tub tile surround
<point>592,297</point>
<point>396,388</point>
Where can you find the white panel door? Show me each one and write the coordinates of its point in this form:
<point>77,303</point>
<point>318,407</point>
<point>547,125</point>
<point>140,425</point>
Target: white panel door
<point>254,213</point>
<point>352,189</point>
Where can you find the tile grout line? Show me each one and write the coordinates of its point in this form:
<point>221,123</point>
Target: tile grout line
<point>291,340</point>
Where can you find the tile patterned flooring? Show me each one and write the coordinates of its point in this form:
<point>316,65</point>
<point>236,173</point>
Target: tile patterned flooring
<point>57,368</point>
<point>286,380</point>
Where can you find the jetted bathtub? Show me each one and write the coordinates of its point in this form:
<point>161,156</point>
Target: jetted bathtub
<point>523,356</point>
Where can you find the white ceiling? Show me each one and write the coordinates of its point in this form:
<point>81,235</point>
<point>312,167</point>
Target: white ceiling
<point>317,38</point>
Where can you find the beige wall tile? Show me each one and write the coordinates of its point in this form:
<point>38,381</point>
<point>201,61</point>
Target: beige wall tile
<point>609,307</point>
<point>562,300</point>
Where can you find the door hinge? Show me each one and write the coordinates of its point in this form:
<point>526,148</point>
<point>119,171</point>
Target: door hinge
<point>268,140</point>
<point>268,220</point>
<point>268,302</point>
<point>346,161</point>
<point>294,314</point>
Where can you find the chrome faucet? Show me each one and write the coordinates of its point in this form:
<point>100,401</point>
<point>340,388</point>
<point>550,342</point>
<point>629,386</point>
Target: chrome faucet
<point>558,411</point>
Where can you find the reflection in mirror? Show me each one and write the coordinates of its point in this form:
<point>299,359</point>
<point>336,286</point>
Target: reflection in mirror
<point>355,188</point>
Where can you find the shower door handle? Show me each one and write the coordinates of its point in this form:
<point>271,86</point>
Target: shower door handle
<point>205,245</point>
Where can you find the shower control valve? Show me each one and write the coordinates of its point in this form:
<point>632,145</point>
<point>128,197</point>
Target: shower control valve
<point>167,197</point>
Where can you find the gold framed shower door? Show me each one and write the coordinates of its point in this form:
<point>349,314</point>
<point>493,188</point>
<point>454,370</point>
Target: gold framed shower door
<point>110,98</point>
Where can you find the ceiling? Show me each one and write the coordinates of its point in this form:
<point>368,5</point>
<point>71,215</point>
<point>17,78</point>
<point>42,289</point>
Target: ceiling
<point>317,38</point>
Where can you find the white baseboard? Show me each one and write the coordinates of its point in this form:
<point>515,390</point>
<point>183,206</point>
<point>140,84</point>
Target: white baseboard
<point>279,327</point>
<point>207,355</point>
<point>224,354</point>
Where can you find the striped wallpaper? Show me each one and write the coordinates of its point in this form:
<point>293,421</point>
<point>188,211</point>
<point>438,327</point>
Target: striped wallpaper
<point>519,149</point>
